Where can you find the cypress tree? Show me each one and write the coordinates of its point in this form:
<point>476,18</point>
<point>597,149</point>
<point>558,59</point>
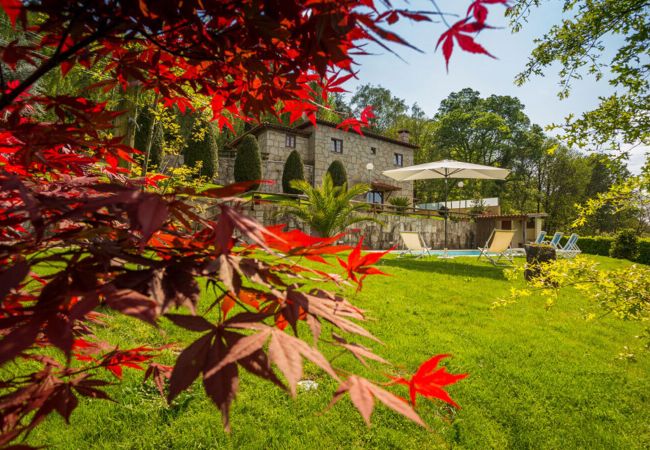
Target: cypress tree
<point>293,170</point>
<point>142,135</point>
<point>248,164</point>
<point>204,150</point>
<point>338,173</point>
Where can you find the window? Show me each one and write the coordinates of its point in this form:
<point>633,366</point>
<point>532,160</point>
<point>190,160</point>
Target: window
<point>290,141</point>
<point>337,145</point>
<point>506,224</point>
<point>375,197</point>
<point>373,150</point>
<point>399,159</point>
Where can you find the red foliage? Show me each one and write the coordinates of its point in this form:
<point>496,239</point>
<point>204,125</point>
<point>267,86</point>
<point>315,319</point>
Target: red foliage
<point>67,201</point>
<point>430,380</point>
<point>462,30</point>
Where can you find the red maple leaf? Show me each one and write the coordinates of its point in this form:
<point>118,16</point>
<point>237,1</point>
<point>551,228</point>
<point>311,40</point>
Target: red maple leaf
<point>362,265</point>
<point>430,380</point>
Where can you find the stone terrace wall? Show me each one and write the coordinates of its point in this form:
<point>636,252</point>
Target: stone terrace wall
<point>462,234</point>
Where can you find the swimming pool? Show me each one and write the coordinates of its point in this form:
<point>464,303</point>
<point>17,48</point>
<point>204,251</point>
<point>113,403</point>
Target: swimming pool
<point>449,252</point>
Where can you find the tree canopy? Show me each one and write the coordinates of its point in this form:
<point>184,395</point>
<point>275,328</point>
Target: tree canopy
<point>583,45</point>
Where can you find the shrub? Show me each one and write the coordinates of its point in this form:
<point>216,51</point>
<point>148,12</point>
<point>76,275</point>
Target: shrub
<point>644,251</point>
<point>593,245</point>
<point>248,164</point>
<point>293,170</point>
<point>203,150</point>
<point>625,245</point>
<point>400,203</point>
<point>328,209</point>
<point>338,173</point>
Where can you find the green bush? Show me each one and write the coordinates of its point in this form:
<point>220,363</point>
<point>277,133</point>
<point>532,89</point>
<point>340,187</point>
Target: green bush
<point>248,163</point>
<point>203,150</point>
<point>644,251</point>
<point>293,170</point>
<point>593,245</point>
<point>600,245</point>
<point>338,173</point>
<point>400,203</point>
<point>625,245</point>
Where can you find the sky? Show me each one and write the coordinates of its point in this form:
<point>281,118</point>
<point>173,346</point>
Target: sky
<point>422,77</point>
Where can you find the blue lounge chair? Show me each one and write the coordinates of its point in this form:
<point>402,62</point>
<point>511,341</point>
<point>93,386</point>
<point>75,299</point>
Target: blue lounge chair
<point>555,241</point>
<point>540,237</point>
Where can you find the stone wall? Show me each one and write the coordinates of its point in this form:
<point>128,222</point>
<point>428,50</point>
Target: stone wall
<point>356,155</point>
<point>381,236</point>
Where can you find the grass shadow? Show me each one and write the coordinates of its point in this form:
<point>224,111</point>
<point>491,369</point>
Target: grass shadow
<point>447,267</point>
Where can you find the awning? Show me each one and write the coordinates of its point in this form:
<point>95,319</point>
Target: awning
<point>384,187</point>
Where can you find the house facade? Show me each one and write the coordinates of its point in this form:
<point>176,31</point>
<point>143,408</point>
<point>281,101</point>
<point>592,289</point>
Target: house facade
<point>364,157</point>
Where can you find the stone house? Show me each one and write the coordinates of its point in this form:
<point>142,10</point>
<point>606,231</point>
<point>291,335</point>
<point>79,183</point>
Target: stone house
<point>364,157</point>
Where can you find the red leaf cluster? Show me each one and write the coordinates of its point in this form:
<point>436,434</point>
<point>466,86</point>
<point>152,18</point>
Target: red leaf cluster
<point>461,32</point>
<point>359,267</point>
<point>429,381</point>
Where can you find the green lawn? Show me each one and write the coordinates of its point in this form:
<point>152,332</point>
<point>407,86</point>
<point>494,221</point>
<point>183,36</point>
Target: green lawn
<point>538,379</point>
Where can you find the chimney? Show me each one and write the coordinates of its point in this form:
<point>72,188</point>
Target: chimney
<point>404,135</point>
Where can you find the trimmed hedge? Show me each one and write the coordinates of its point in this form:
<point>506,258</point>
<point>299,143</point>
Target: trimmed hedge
<point>204,150</point>
<point>338,173</point>
<point>248,163</point>
<point>600,245</point>
<point>644,251</point>
<point>293,170</point>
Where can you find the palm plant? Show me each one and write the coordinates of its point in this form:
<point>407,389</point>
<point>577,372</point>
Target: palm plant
<point>328,209</point>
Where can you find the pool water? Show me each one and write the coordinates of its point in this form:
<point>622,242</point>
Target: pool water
<point>449,252</point>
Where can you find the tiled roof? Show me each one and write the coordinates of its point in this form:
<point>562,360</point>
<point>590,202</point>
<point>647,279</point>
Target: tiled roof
<point>365,133</point>
<point>273,126</point>
<point>300,130</point>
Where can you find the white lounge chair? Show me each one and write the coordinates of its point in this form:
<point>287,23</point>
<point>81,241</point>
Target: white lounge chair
<point>414,244</point>
<point>570,249</point>
<point>497,247</point>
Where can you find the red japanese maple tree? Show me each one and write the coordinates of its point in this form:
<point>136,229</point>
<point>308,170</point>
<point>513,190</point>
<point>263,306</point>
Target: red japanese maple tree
<point>67,201</point>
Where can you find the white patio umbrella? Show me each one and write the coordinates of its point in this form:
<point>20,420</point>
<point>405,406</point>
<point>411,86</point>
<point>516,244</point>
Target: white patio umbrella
<point>447,168</point>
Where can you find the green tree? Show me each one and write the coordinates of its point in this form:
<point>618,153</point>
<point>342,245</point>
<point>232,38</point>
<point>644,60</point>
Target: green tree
<point>202,149</point>
<point>478,130</point>
<point>328,209</point>
<point>387,108</point>
<point>565,176</point>
<point>156,151</point>
<point>248,163</point>
<point>293,170</point>
<point>605,173</point>
<point>577,47</point>
<point>337,171</point>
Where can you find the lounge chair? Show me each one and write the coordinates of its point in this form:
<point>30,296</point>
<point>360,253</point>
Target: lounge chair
<point>555,240</point>
<point>497,247</point>
<point>540,237</point>
<point>413,243</point>
<point>570,249</point>
<point>519,251</point>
